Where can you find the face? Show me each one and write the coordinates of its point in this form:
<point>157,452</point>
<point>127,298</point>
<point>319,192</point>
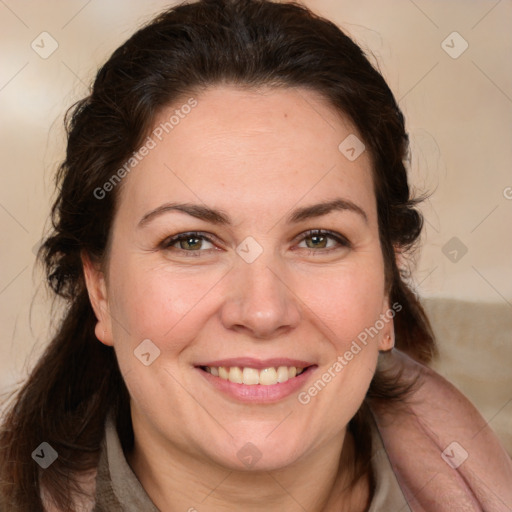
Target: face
<point>245,245</point>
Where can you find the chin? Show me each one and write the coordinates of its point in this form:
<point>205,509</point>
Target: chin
<point>257,453</point>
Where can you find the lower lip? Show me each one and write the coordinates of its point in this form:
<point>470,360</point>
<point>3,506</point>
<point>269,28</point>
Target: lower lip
<point>258,393</point>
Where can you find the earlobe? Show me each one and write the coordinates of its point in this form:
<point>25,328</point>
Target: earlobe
<point>387,339</point>
<point>97,291</point>
<point>387,342</point>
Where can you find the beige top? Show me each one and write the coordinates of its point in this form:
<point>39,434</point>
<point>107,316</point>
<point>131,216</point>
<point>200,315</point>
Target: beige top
<point>119,490</point>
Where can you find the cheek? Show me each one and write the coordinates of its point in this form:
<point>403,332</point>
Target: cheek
<point>346,300</point>
<point>345,306</point>
<point>154,303</point>
<point>168,308</point>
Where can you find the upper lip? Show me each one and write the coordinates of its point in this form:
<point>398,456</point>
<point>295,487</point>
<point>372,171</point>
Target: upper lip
<point>259,364</point>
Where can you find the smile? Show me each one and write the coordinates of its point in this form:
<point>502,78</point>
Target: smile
<point>253,376</point>
<point>257,381</point>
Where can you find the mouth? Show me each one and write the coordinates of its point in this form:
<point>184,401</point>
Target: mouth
<point>257,381</point>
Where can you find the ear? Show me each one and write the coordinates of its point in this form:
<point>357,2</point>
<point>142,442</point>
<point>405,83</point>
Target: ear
<point>387,335</point>
<point>97,290</point>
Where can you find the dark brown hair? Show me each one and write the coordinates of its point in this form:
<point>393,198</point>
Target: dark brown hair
<point>249,43</point>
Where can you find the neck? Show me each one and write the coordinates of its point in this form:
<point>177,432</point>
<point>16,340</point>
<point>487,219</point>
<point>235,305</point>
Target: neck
<point>319,482</point>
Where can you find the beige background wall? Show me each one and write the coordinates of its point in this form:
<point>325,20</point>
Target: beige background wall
<point>458,110</point>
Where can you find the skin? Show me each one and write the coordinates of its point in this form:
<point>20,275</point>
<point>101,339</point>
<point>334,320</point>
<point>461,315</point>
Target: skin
<point>256,156</point>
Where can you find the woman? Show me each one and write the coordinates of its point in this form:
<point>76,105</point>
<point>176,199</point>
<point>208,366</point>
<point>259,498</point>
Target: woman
<point>231,235</point>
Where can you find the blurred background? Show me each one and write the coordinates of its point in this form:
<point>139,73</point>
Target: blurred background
<point>448,64</point>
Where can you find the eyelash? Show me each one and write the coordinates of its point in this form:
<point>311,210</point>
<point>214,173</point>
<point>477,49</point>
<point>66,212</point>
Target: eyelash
<point>168,242</point>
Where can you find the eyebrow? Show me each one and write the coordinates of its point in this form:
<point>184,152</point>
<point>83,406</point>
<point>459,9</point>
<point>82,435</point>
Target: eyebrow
<point>220,218</point>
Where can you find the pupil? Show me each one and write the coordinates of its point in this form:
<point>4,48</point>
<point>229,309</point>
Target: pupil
<point>190,243</point>
<point>318,240</point>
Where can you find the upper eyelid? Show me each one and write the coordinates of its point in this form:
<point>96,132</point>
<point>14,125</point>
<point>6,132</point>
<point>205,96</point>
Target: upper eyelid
<point>322,232</point>
<point>169,241</point>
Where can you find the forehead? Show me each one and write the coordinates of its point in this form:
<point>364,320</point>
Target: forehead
<point>249,151</point>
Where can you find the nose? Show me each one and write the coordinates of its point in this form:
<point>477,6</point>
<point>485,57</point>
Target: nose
<point>259,302</point>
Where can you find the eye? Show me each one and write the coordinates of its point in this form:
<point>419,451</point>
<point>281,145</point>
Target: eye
<point>188,243</point>
<point>193,243</point>
<point>319,240</point>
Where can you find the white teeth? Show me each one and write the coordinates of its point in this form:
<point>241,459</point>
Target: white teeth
<point>268,376</point>
<point>235,375</point>
<point>252,376</point>
<point>282,374</point>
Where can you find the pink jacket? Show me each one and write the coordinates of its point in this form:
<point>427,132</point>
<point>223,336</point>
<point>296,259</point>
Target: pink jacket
<point>444,454</point>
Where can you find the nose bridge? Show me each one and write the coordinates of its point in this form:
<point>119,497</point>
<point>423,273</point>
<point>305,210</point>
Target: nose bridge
<point>259,299</point>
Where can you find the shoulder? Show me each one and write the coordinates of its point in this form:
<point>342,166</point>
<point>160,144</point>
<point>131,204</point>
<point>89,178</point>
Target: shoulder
<point>438,441</point>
